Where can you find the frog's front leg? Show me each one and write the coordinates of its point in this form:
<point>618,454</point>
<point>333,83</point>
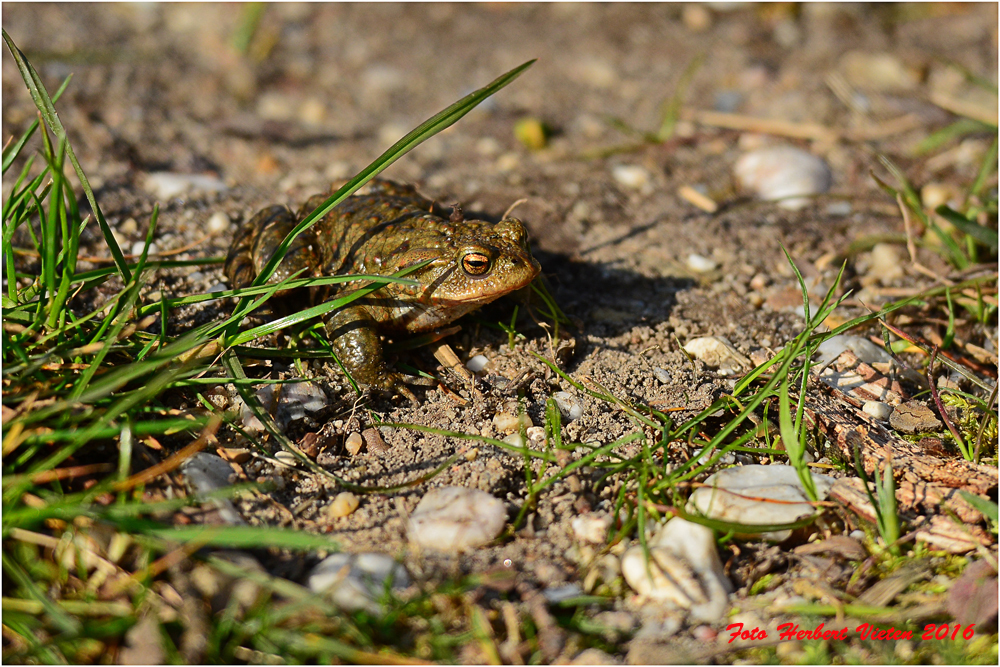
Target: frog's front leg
<point>357,344</point>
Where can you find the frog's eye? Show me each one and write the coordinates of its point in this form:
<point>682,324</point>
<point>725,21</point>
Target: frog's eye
<point>476,263</point>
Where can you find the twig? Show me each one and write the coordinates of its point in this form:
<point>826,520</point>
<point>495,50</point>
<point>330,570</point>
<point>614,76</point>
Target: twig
<point>911,247</point>
<point>940,405</point>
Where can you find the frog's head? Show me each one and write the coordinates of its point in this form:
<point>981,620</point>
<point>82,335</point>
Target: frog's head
<point>480,263</point>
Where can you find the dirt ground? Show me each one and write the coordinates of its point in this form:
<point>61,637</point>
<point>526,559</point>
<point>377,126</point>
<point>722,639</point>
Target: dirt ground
<point>321,90</point>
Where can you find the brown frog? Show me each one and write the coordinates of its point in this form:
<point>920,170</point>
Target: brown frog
<point>379,233</point>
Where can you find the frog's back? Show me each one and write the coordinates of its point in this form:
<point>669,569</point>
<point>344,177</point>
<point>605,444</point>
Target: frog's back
<point>368,233</point>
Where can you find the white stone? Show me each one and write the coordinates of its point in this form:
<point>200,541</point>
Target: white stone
<point>206,473</point>
<point>455,519</point>
<point>742,495</point>
<point>864,349</point>
<point>877,409</point>
<point>297,399</point>
<point>717,352</point>
<point>591,528</point>
<point>139,246</point>
<point>505,422</point>
<point>700,264</point>
<point>683,570</point>
<point>166,185</point>
<point>569,405</point>
<point>631,176</point>
<point>783,173</point>
<point>356,581</point>
<point>218,223</point>
<point>477,363</point>
<point>886,264</point>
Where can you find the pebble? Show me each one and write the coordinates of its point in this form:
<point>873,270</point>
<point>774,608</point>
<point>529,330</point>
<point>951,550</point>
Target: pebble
<point>353,443</point>
<point>864,349</point>
<point>477,363</point>
<point>167,185</point>
<point>839,209</point>
<point>741,495</point>
<point>877,409</point>
<point>536,434</point>
<point>700,264</point>
<point>455,519</point>
<point>562,593</point>
<point>218,223</point>
<point>784,173</point>
<point>885,263</point>
<point>912,417</point>
<point>881,72</point>
<point>631,176</point>
<point>286,460</point>
<point>129,226</point>
<point>932,195</point>
<point>684,570</point>
<point>139,246</point>
<point>505,422</point>
<point>591,528</point>
<point>593,656</point>
<point>661,375</point>
<point>298,399</point>
<point>717,352</point>
<point>345,503</point>
<point>532,133</point>
<point>356,581</point>
<point>206,473</point>
<point>569,405</point>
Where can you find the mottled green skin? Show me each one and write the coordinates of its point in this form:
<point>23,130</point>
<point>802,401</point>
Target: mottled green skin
<point>380,233</point>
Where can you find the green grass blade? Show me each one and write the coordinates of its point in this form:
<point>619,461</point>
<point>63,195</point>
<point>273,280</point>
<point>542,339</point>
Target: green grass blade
<point>11,153</point>
<point>45,106</point>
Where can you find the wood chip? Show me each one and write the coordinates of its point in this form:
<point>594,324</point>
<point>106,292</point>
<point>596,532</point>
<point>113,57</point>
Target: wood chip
<point>692,196</point>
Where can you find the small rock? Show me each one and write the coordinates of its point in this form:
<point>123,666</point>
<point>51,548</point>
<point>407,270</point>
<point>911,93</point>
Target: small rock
<point>455,519</point>
<point>477,363</point>
<point>885,264</point>
<point>139,246</point>
<point>353,443</point>
<point>661,375</point>
<point>356,581</point>
<point>932,195</point>
<point>285,460</point>
<point>718,353</point>
<point>206,473</point>
<point>593,656</point>
<point>299,399</point>
<point>508,423</point>
<point>912,417</point>
<point>218,223</point>
<point>838,209</point>
<point>532,133</point>
<point>129,226</point>
<point>562,593</point>
<point>700,264</point>
<point>684,570</point>
<point>592,528</point>
<point>783,173</point>
<point>696,17</point>
<point>741,495</point>
<point>877,409</point>
<point>536,434</point>
<point>166,185</point>
<point>631,176</point>
<point>878,71</point>
<point>345,503</point>
<point>568,404</point>
<point>864,349</point>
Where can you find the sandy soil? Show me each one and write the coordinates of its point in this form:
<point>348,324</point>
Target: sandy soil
<point>323,89</point>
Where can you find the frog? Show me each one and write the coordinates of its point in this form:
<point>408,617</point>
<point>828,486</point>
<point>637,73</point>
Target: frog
<point>470,263</point>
